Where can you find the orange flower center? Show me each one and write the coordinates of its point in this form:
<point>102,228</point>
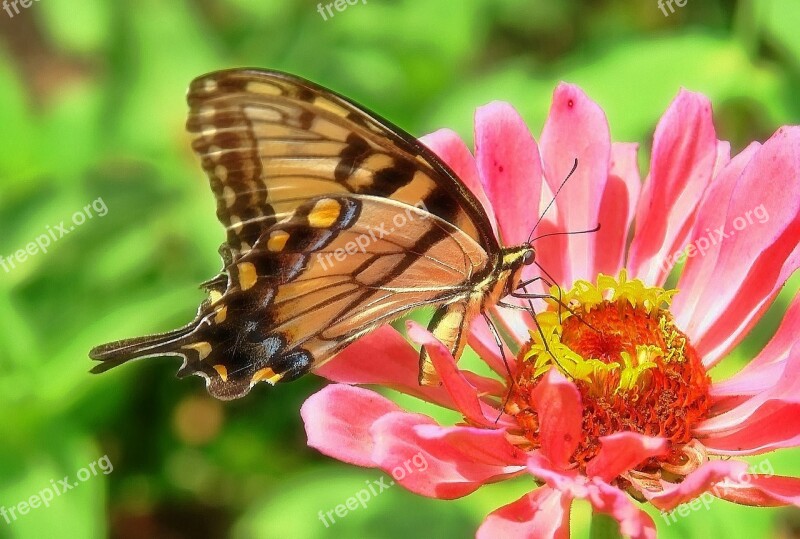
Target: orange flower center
<point>635,370</point>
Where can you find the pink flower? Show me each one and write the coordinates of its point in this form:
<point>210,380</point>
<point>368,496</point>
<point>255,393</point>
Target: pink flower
<point>613,400</point>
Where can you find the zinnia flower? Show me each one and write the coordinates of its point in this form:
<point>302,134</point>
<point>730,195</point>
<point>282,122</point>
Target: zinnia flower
<point>609,401</point>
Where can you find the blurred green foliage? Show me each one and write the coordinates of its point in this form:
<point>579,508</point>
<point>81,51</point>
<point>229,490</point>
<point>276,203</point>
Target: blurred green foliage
<point>92,106</point>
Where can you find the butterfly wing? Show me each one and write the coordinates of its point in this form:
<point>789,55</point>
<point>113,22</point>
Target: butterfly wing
<point>303,178</point>
<point>337,268</point>
<point>270,141</point>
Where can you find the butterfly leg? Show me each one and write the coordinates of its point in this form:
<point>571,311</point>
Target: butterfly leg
<point>560,305</point>
<point>499,342</point>
<point>523,284</point>
<point>512,306</point>
<point>550,283</point>
<point>539,329</point>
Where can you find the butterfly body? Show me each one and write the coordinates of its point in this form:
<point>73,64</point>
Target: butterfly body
<point>337,222</point>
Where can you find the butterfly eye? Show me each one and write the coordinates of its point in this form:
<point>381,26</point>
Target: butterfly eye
<point>528,257</point>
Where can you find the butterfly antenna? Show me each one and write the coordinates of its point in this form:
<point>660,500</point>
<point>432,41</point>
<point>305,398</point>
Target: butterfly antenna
<point>552,200</point>
<point>587,231</point>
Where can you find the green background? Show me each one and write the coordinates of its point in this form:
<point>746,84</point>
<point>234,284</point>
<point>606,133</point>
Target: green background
<point>92,105</point>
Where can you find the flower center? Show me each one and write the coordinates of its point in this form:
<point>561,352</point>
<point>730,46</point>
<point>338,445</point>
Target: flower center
<point>635,370</point>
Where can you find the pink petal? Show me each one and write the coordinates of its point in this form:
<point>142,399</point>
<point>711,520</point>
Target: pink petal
<point>558,405</point>
<point>769,366</point>
<point>696,483</point>
<point>683,158</point>
<point>551,247</point>
<point>698,278</point>
<point>756,260</point>
<point>617,208</point>
<point>480,445</point>
<point>567,480</point>
<point>773,425</point>
<point>767,421</point>
<point>762,491</point>
<point>486,386</point>
<point>541,513</point>
<point>383,357</point>
<point>511,172</point>
<point>633,522</point>
<point>510,169</point>
<point>576,129</point>
<point>451,149</point>
<point>464,394</point>
<point>449,462</point>
<point>338,419</point>
<point>723,157</point>
<point>623,451</point>
<point>603,497</point>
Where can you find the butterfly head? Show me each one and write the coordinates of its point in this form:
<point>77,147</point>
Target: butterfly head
<point>528,255</point>
<point>514,259</point>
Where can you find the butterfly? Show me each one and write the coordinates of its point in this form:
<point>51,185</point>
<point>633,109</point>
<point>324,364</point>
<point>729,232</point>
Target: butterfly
<point>337,222</point>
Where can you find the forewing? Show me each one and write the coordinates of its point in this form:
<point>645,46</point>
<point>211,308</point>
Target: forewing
<point>270,141</point>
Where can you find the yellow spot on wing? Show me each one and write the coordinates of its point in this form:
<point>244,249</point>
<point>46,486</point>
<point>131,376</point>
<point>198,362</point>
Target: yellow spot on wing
<point>267,374</point>
<point>221,173</point>
<point>236,224</point>
<point>228,194</point>
<point>263,88</point>
<point>223,372</point>
<point>324,213</point>
<point>277,240</point>
<point>330,106</point>
<point>247,275</point>
<point>222,314</point>
<point>202,348</point>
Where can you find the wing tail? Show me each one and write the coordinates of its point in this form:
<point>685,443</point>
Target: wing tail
<point>116,353</point>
